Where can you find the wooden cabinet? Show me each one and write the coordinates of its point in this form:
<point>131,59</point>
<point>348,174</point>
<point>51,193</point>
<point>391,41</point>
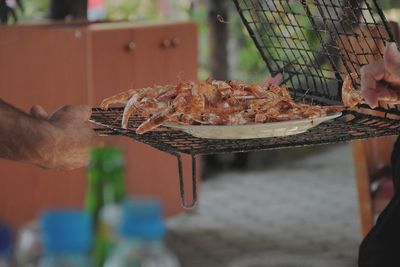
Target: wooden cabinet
<point>54,65</point>
<point>143,56</point>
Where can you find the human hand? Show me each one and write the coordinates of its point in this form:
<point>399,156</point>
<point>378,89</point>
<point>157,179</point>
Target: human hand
<point>67,138</point>
<point>380,80</point>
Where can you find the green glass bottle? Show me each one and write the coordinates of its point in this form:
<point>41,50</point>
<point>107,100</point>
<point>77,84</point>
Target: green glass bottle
<point>106,187</point>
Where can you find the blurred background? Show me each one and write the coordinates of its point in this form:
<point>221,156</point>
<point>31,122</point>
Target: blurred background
<point>242,63</point>
<point>264,202</point>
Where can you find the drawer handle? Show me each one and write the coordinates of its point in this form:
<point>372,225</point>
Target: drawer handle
<point>166,43</point>
<point>131,46</point>
<point>176,42</point>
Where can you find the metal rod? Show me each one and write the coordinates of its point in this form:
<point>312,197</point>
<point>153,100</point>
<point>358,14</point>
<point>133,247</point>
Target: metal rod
<point>185,204</point>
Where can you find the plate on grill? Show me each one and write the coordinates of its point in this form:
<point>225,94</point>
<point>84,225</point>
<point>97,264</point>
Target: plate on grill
<point>252,131</point>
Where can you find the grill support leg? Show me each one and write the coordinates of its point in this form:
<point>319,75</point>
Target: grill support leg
<point>185,203</point>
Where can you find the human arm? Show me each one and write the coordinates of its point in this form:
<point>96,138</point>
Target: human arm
<point>59,141</point>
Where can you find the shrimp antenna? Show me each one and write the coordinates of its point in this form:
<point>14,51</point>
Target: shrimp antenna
<point>305,94</point>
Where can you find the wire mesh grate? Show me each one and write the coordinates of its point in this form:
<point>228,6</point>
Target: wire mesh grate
<point>350,126</point>
<point>318,41</point>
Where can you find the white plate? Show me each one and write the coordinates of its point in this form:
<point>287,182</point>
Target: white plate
<point>251,131</point>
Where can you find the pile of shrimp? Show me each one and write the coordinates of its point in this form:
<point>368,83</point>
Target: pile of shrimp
<point>214,102</point>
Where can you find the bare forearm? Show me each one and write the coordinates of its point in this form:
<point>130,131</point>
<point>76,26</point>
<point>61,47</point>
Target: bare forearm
<point>21,135</point>
<point>59,141</point>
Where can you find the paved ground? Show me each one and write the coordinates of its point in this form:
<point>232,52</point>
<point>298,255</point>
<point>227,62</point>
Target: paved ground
<point>302,213</point>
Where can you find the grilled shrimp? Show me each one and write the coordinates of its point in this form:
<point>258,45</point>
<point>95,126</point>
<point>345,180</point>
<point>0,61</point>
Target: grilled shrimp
<point>221,103</point>
<point>184,104</point>
<point>350,95</point>
<point>121,98</point>
<point>134,103</point>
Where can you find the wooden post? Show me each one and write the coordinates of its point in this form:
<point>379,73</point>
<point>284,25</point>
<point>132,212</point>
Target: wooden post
<point>218,36</point>
<point>363,186</point>
<point>60,9</point>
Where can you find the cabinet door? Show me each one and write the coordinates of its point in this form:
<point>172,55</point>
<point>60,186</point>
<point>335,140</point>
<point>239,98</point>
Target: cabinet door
<point>40,65</point>
<point>182,55</point>
<point>165,54</point>
<point>110,63</point>
<point>150,60</point>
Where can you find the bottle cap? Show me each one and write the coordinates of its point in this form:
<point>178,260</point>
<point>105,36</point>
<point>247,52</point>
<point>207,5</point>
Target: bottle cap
<point>143,219</point>
<point>66,231</point>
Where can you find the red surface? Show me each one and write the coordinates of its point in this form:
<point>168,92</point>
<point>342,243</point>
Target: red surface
<point>95,3</point>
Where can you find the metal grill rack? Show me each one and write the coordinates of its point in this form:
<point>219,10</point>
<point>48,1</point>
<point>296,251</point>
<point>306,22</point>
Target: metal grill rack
<point>350,126</point>
<point>316,43</point>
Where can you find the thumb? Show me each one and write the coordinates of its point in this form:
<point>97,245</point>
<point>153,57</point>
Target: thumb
<point>68,113</point>
<point>392,59</point>
<point>38,112</point>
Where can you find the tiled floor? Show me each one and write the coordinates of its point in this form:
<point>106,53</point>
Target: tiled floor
<point>300,214</point>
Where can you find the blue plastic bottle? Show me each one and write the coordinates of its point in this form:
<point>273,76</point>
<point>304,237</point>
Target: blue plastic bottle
<point>67,239</point>
<point>5,245</point>
<point>142,229</point>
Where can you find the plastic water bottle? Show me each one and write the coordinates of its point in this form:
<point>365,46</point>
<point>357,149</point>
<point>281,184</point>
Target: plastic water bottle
<point>67,238</point>
<point>142,229</point>
<point>28,247</point>
<point>5,245</point>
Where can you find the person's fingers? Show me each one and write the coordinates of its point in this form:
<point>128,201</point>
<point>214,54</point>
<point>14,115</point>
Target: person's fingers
<point>68,113</point>
<point>388,95</point>
<point>382,94</point>
<point>392,60</point>
<point>38,112</point>
<point>370,75</point>
<point>370,97</point>
<point>93,138</point>
<point>388,104</point>
<point>84,112</point>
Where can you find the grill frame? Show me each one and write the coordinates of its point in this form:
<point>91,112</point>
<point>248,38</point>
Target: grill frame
<point>350,126</point>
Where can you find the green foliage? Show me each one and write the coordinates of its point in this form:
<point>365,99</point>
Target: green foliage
<point>132,10</point>
<point>250,66</point>
<point>199,15</point>
<point>35,9</point>
<point>389,4</point>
